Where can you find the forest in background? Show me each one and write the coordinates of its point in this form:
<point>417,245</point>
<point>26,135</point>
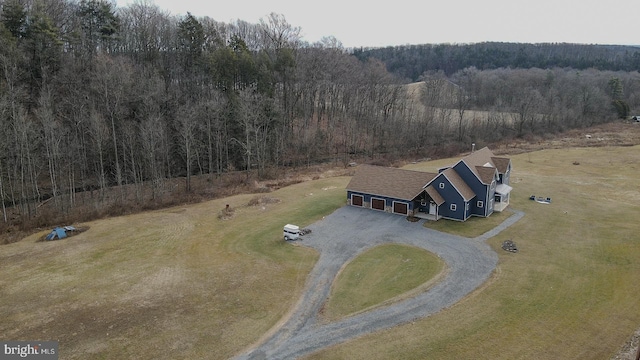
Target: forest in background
<point>411,61</point>
<point>94,97</point>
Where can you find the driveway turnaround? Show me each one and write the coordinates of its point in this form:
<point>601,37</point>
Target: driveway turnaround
<point>342,236</point>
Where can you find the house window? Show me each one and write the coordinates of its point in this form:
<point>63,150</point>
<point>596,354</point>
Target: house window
<point>480,204</point>
<point>466,206</point>
<point>493,184</point>
<point>423,202</point>
<point>441,185</point>
<point>453,207</point>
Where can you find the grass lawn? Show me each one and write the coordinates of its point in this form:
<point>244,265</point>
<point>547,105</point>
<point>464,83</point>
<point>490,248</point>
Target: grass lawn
<point>182,283</point>
<point>173,284</point>
<point>474,226</point>
<point>572,290</point>
<point>379,275</point>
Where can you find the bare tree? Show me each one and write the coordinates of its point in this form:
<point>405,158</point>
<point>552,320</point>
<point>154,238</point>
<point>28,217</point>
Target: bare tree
<point>144,31</point>
<point>152,135</point>
<point>111,85</point>
<point>187,118</point>
<point>211,112</point>
<point>52,134</point>
<point>99,134</point>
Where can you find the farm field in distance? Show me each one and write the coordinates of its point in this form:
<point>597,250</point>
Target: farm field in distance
<point>185,283</point>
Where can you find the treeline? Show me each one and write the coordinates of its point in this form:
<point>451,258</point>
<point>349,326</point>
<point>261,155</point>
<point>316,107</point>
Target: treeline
<point>492,105</point>
<point>410,61</point>
<point>93,96</point>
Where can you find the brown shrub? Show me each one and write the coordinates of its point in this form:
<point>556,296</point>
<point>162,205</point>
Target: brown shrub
<point>226,213</point>
<point>261,200</point>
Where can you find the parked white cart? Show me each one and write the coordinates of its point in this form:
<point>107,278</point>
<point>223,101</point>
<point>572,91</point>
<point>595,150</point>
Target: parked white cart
<point>291,232</point>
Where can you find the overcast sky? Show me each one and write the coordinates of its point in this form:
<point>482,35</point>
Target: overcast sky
<point>399,22</point>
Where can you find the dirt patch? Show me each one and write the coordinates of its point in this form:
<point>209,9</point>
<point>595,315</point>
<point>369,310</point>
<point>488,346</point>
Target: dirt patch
<point>262,200</point>
<point>227,213</point>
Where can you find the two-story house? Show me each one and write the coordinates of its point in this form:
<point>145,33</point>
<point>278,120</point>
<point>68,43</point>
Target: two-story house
<point>476,185</point>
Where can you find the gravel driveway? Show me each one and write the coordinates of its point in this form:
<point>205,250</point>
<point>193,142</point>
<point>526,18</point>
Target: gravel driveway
<point>342,236</point>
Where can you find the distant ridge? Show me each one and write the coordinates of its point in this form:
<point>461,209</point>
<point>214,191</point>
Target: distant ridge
<point>411,61</point>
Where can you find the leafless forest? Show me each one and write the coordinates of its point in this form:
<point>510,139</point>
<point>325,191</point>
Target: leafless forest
<point>94,97</point>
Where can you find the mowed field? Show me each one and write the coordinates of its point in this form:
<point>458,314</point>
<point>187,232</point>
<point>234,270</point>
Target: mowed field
<point>571,292</point>
<point>173,284</point>
<point>182,283</point>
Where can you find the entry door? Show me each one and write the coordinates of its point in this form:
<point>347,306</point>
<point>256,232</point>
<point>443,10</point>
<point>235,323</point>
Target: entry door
<point>432,208</point>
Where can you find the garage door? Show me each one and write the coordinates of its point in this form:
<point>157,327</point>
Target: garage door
<point>377,204</point>
<point>357,200</point>
<point>400,208</point>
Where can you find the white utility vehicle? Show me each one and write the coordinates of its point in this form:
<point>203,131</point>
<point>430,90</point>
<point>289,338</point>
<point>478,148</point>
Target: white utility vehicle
<point>291,232</point>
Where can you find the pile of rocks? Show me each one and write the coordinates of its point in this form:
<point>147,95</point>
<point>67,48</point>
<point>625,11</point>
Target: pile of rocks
<point>509,245</point>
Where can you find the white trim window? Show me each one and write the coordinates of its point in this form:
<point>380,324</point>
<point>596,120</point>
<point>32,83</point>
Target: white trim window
<point>480,204</point>
<point>453,207</point>
<point>441,185</point>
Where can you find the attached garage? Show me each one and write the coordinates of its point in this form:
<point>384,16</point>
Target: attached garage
<point>377,204</point>
<point>400,208</point>
<point>387,189</point>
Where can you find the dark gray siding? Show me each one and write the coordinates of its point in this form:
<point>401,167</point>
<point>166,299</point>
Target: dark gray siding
<point>450,196</point>
<point>481,190</point>
<point>387,200</point>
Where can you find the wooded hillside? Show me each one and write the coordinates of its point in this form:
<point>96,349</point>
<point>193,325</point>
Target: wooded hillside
<point>411,61</point>
<point>93,96</point>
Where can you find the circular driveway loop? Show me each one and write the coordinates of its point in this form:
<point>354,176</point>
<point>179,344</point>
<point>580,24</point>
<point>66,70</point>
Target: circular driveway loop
<point>342,236</point>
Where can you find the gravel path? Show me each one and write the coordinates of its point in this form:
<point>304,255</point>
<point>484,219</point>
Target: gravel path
<point>342,236</point>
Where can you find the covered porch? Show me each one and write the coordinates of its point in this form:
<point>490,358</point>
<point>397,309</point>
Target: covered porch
<point>501,197</point>
<point>426,205</point>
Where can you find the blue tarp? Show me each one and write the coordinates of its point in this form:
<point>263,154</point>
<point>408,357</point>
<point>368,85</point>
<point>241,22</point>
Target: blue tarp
<point>57,233</point>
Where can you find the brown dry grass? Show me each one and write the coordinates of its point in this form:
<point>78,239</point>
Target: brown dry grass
<point>166,284</point>
<point>179,283</point>
<point>130,199</point>
<point>571,290</point>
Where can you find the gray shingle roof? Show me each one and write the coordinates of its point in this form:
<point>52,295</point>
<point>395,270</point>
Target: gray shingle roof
<point>501,163</point>
<point>434,195</point>
<point>462,186</point>
<point>482,161</point>
<point>389,182</point>
<point>486,174</point>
